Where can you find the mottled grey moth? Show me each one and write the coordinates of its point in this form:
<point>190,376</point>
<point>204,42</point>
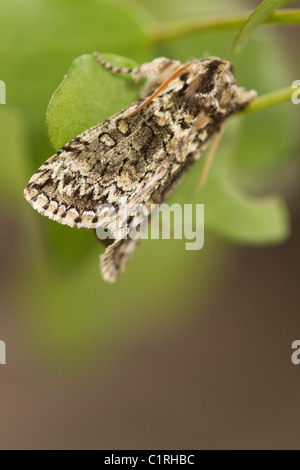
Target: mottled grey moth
<point>140,154</point>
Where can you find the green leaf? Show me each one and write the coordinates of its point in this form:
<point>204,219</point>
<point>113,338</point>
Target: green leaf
<point>89,94</point>
<point>229,210</point>
<point>246,219</point>
<point>257,17</point>
<point>61,31</point>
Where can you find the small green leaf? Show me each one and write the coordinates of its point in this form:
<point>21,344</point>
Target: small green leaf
<point>257,17</point>
<point>236,215</point>
<point>246,219</point>
<point>230,211</point>
<point>61,30</point>
<point>88,95</point>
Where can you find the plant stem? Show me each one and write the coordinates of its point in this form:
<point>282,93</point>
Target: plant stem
<point>171,31</point>
<point>269,99</point>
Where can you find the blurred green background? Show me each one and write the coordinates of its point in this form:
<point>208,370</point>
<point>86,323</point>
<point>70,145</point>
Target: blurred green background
<point>188,349</point>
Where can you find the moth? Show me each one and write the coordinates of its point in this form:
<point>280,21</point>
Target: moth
<point>140,154</point>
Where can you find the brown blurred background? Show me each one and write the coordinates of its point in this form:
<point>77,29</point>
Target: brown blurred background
<point>224,380</point>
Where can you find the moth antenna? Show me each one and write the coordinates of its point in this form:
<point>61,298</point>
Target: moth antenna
<point>210,154</point>
<point>110,67</point>
<point>159,89</point>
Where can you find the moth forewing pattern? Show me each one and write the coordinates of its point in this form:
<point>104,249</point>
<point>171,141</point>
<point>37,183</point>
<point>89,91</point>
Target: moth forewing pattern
<point>137,157</point>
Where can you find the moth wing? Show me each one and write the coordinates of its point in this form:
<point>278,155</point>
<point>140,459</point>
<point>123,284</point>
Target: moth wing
<point>103,165</point>
<point>115,258</point>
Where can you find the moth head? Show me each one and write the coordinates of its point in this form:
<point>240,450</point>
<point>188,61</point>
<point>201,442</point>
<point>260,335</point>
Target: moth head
<point>156,72</point>
<point>212,85</point>
<point>230,94</point>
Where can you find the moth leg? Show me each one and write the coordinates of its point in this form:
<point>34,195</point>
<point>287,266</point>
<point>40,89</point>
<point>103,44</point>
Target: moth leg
<point>113,261</point>
<point>209,157</point>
